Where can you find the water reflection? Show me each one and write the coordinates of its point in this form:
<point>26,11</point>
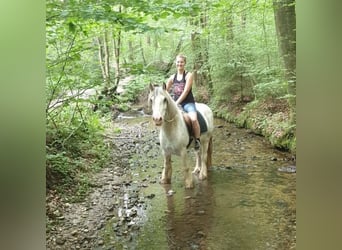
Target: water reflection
<point>188,218</point>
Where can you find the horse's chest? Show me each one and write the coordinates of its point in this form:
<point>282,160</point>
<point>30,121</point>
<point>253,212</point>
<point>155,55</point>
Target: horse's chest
<point>174,142</point>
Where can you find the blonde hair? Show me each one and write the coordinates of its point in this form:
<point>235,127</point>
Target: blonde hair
<point>181,56</point>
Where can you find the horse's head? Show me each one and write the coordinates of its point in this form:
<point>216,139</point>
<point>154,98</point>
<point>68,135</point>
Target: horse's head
<point>158,99</point>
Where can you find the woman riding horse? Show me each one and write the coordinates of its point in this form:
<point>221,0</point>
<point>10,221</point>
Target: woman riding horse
<point>180,85</point>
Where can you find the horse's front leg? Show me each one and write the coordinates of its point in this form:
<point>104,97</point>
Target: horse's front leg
<point>189,183</point>
<point>167,171</point>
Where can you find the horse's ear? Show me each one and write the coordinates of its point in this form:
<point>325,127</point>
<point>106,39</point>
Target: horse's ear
<point>164,86</point>
<point>151,87</point>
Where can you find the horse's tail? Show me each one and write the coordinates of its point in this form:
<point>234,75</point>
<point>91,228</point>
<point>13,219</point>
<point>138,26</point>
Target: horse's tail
<point>209,152</point>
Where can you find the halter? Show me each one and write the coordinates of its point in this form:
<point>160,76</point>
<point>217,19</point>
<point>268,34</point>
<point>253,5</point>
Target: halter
<point>171,119</point>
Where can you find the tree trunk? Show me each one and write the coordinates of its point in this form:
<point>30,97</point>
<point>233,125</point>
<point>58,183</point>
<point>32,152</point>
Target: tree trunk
<point>102,59</point>
<point>176,52</point>
<point>285,21</point>
<point>106,59</point>
<point>196,48</point>
<point>99,43</point>
<point>230,26</point>
<point>131,51</point>
<point>201,52</point>
<point>142,52</point>
<point>116,55</point>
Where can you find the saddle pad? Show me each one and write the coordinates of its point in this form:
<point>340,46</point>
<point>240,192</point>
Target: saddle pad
<point>202,123</point>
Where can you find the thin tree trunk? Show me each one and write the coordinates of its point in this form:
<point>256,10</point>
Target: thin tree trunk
<point>175,53</point>
<point>131,51</point>
<point>196,48</point>
<point>265,35</point>
<point>116,54</point>
<point>101,59</point>
<point>200,49</point>
<point>142,52</point>
<point>106,59</point>
<point>230,26</point>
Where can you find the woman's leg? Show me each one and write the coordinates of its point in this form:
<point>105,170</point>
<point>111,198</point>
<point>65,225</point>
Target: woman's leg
<point>190,108</point>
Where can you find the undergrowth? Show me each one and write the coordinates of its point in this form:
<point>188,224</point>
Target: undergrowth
<point>75,149</point>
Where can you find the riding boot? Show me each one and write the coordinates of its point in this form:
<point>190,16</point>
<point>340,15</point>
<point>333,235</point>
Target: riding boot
<point>197,133</point>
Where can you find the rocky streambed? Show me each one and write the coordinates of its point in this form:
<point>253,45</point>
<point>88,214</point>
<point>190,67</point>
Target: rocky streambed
<point>114,196</point>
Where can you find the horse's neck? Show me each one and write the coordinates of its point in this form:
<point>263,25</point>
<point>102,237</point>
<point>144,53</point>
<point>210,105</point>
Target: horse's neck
<point>175,117</point>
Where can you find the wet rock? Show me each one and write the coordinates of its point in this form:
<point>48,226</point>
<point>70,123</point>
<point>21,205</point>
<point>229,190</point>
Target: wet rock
<point>60,241</point>
<point>150,196</point>
<point>171,192</point>
<point>200,233</point>
<point>288,169</point>
<point>200,212</point>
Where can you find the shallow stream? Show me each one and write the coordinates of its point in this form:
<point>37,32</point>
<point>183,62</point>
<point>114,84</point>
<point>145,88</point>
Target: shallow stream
<point>246,202</point>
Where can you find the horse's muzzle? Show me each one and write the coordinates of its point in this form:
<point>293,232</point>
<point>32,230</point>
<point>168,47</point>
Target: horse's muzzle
<point>157,120</point>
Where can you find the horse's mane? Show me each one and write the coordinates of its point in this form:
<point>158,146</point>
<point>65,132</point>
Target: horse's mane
<point>173,110</point>
<point>169,98</point>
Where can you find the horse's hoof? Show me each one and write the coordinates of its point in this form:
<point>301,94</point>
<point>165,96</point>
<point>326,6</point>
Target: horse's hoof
<point>189,184</point>
<point>202,177</point>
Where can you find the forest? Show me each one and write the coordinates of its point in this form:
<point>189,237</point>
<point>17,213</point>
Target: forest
<point>242,54</point>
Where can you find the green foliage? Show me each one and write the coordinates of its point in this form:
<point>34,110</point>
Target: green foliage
<point>272,89</point>
<point>244,56</point>
<point>75,146</point>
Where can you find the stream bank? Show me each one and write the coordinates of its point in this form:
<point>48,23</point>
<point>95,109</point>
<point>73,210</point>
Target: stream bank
<point>269,118</point>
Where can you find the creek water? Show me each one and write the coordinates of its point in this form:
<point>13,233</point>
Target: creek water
<point>246,202</point>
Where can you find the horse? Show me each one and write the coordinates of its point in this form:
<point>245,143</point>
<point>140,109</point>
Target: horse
<point>174,137</point>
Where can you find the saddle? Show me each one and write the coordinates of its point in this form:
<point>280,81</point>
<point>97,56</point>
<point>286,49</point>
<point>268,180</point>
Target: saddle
<point>201,121</point>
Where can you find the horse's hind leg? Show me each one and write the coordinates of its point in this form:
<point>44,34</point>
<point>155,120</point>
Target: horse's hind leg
<point>167,171</point>
<point>197,168</point>
<point>204,171</point>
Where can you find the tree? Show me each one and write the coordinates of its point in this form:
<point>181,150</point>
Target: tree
<point>285,22</point>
